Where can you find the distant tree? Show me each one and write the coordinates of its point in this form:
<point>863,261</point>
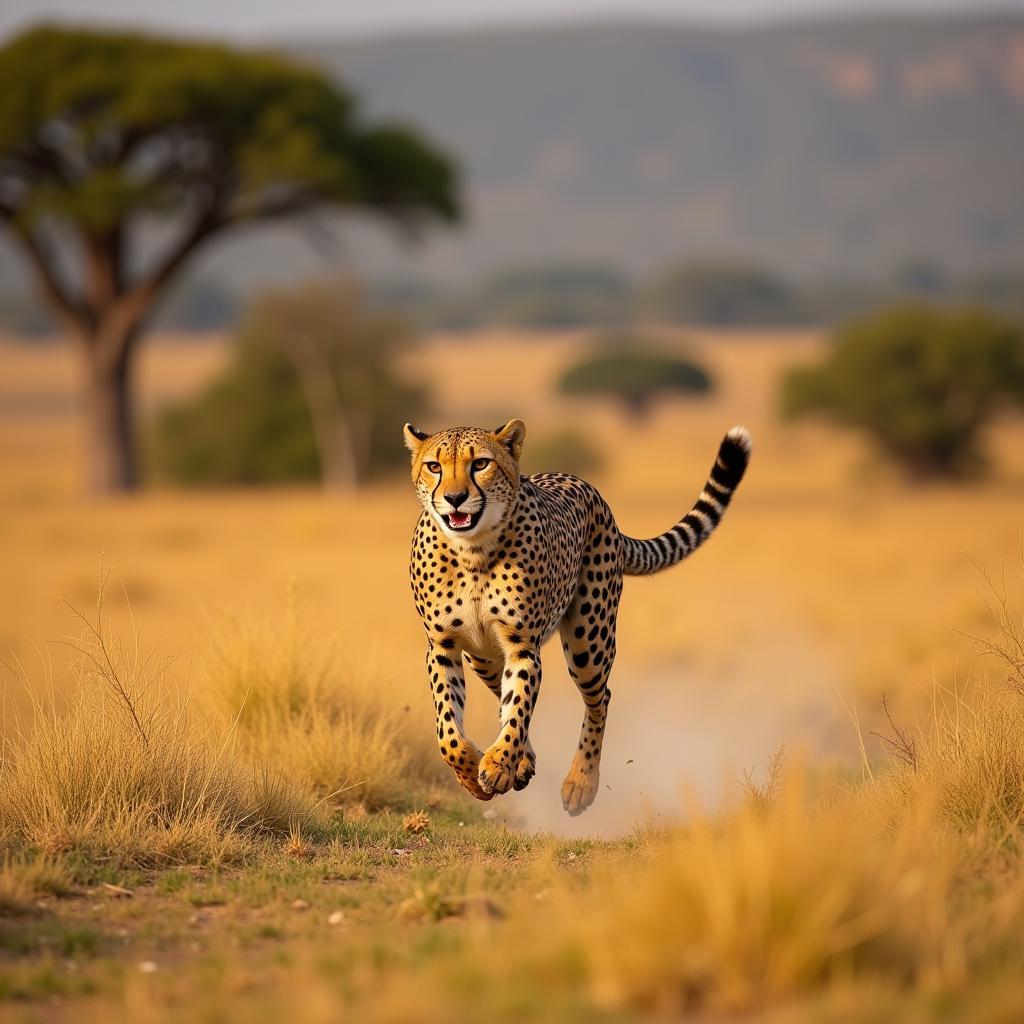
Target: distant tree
<point>103,133</point>
<point>921,381</point>
<point>722,293</point>
<point>311,392</point>
<point>560,295</point>
<point>633,372</point>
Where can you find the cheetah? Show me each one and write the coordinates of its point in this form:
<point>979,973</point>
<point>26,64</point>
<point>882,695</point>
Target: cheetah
<point>500,561</point>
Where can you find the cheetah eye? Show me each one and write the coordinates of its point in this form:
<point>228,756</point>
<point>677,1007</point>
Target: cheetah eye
<point>479,464</point>
<point>434,467</point>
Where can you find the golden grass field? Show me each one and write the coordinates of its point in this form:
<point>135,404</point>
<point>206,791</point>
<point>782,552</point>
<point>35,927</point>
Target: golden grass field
<point>820,894</point>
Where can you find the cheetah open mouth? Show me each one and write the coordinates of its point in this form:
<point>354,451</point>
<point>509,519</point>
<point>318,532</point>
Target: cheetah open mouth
<point>462,521</point>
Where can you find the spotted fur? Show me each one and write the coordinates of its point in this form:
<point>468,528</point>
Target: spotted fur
<point>500,561</point>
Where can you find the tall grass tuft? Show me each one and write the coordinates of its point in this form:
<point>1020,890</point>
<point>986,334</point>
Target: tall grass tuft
<point>968,755</point>
<point>124,774</point>
<point>769,904</point>
<point>341,726</point>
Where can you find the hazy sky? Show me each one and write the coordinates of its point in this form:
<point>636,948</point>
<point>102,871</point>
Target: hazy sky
<point>263,19</point>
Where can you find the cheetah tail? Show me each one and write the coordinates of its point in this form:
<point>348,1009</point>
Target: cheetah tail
<point>644,557</point>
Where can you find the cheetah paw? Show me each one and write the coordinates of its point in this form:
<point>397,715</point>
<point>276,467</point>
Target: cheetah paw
<point>473,787</point>
<point>466,771</point>
<point>495,774</point>
<point>525,770</point>
<point>580,788</point>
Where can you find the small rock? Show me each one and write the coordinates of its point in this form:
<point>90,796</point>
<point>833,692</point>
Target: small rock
<point>300,905</point>
<point>336,918</point>
<point>117,890</point>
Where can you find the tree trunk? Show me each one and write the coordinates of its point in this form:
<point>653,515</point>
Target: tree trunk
<point>107,321</point>
<point>339,469</point>
<point>110,435</point>
<point>339,464</point>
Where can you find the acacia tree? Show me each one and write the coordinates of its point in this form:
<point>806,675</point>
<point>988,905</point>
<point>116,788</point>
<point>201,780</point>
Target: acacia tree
<point>922,381</point>
<point>634,372</point>
<point>105,137</point>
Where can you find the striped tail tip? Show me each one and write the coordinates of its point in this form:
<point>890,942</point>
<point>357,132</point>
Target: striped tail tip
<point>647,556</point>
<point>739,437</point>
<point>731,464</point>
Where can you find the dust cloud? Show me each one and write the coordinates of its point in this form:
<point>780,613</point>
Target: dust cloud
<point>681,733</point>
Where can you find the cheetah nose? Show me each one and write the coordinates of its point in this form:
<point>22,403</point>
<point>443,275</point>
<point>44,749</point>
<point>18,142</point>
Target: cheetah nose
<point>455,500</point>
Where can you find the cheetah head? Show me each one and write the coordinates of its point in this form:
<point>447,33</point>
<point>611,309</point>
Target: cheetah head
<point>467,478</point>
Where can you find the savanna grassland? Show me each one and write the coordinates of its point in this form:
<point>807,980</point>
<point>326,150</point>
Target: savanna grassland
<point>219,798</point>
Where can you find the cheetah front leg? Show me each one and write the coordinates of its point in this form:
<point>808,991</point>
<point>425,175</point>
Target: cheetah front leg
<point>489,672</point>
<point>520,684</point>
<point>448,687</point>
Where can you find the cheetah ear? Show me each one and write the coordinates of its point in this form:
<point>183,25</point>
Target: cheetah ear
<point>413,437</point>
<point>511,436</point>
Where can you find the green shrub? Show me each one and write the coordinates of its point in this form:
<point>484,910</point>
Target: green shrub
<point>922,382</point>
<point>250,426</point>
<point>310,393</point>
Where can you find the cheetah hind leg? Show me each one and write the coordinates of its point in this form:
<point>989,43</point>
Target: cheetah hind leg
<point>489,672</point>
<point>579,790</point>
<point>580,787</point>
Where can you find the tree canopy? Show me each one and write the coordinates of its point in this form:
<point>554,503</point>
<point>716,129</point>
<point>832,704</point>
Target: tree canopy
<point>104,134</point>
<point>921,381</point>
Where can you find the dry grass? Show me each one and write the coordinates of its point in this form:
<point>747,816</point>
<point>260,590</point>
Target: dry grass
<point>892,892</point>
<point>896,896</point>
<point>769,906</point>
<point>763,908</point>
<point>805,903</point>
<point>124,774</point>
<point>969,763</point>
<point>331,719</point>
<point>23,879</point>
